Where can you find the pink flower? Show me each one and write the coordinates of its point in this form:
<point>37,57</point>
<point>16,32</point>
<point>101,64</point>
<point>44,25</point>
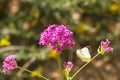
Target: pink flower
<point>105,47</point>
<point>57,37</point>
<point>9,64</point>
<point>68,65</point>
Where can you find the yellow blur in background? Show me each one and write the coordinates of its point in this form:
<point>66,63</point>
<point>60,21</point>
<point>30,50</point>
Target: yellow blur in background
<point>5,42</point>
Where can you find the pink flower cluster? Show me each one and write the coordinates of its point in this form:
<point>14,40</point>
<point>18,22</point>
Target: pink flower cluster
<point>9,63</point>
<point>68,65</point>
<point>105,46</point>
<point>57,37</point>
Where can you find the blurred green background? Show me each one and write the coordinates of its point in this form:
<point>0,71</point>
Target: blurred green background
<point>22,21</point>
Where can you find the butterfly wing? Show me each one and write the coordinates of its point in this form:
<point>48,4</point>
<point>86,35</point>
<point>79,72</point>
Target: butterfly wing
<point>84,54</point>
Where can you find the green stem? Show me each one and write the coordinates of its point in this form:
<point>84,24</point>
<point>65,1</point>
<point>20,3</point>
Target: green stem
<point>84,66</point>
<point>60,68</point>
<point>67,74</point>
<point>32,72</point>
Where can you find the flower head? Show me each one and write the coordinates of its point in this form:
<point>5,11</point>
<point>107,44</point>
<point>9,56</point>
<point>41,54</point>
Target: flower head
<point>67,68</point>
<point>104,47</point>
<point>57,37</point>
<point>68,65</point>
<point>9,64</point>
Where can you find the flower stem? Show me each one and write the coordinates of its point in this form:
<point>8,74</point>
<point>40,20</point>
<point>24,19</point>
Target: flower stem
<point>32,72</point>
<point>84,66</point>
<point>60,68</point>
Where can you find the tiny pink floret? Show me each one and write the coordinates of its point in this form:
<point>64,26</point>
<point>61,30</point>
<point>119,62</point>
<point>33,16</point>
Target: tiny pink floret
<point>9,63</point>
<point>68,65</point>
<point>105,46</point>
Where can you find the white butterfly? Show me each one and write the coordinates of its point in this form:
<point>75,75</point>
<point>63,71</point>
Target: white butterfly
<point>84,54</point>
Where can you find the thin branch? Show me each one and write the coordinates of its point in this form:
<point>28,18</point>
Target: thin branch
<point>10,48</point>
<point>26,65</point>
